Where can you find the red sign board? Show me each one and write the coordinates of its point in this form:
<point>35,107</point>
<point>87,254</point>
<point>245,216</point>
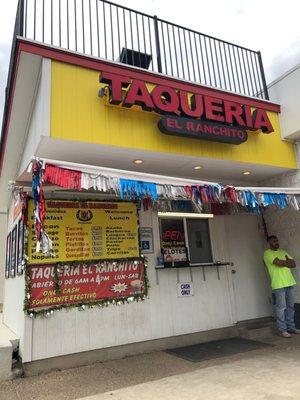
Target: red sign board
<point>202,130</point>
<point>83,284</point>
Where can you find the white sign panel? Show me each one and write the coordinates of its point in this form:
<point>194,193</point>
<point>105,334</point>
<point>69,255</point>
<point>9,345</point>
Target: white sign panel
<point>185,289</point>
<point>146,239</point>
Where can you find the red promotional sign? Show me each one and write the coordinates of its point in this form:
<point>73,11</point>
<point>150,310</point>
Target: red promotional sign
<point>85,283</point>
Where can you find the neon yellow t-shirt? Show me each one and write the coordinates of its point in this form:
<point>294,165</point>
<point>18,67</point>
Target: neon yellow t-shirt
<point>280,276</point>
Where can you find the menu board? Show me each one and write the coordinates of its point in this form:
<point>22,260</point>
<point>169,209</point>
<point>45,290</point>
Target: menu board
<point>173,243</point>
<point>86,231</point>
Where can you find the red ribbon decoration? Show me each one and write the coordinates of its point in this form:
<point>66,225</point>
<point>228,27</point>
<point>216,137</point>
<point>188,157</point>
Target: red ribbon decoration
<point>66,178</point>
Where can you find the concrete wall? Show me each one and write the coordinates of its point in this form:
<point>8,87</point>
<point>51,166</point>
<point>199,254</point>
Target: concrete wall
<point>162,315</point>
<point>286,223</point>
<point>13,296</point>
<point>38,125</point>
<point>286,92</point>
<point>13,315</point>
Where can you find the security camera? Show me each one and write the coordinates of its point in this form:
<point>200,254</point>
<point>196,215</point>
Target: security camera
<point>102,92</point>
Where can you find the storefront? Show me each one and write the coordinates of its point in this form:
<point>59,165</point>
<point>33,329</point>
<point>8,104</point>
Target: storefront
<point>135,221</point>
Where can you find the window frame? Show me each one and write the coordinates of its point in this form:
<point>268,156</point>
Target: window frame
<point>187,245</point>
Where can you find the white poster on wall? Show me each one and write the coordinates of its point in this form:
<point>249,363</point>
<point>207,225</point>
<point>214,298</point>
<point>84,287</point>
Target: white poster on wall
<point>185,289</point>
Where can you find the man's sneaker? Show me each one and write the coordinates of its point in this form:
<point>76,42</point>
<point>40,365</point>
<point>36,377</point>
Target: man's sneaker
<point>295,331</point>
<point>285,334</point>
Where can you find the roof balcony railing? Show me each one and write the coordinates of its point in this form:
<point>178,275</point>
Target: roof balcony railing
<point>109,31</point>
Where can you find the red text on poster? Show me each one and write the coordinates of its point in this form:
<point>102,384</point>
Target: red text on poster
<point>85,283</point>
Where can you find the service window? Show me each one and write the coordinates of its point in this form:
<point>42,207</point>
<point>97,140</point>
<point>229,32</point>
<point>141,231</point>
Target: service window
<point>185,242</point>
<point>173,242</point>
<point>199,241</point>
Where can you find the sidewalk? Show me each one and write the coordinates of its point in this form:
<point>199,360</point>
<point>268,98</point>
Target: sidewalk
<point>268,374</point>
<point>7,339</point>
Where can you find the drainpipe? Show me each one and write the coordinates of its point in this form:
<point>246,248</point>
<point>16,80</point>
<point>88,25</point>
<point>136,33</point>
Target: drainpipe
<point>297,150</point>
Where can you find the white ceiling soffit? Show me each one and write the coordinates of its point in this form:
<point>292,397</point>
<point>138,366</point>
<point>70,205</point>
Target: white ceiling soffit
<point>155,163</point>
<point>159,179</point>
<point>22,104</point>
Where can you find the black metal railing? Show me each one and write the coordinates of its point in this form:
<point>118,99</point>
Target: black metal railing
<point>103,29</point>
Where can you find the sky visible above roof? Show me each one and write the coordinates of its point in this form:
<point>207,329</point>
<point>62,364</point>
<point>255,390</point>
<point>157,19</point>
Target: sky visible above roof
<point>269,26</point>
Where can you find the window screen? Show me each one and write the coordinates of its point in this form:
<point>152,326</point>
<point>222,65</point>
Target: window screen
<point>199,241</point>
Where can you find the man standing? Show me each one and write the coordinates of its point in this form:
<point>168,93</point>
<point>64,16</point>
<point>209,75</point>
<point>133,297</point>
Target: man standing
<point>279,264</point>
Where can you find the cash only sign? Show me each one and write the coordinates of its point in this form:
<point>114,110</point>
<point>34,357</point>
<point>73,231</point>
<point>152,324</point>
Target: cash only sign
<point>188,114</point>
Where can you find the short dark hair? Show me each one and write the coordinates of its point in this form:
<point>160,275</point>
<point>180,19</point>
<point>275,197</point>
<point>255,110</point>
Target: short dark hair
<point>271,237</point>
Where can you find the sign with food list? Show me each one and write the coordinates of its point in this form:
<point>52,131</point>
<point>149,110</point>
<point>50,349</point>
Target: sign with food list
<point>86,231</point>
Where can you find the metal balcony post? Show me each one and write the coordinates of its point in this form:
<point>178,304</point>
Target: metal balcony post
<point>159,67</point>
<point>263,78</point>
<point>20,26</point>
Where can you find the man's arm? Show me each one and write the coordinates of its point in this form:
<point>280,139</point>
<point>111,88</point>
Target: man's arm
<point>288,262</point>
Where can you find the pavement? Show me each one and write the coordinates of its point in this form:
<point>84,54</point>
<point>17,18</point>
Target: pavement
<point>7,339</point>
<point>271,373</point>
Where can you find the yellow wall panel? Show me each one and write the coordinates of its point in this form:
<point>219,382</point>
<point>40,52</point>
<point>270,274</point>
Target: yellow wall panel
<point>77,113</point>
